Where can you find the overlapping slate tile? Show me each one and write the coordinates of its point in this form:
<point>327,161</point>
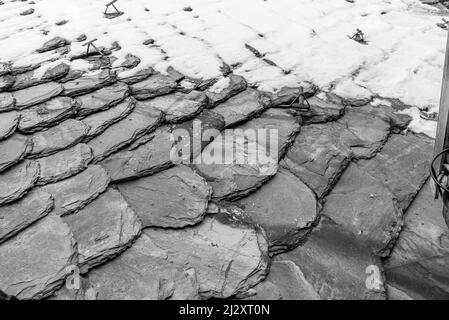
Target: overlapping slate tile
<point>173,198</point>
<point>363,132</point>
<point>370,197</point>
<point>132,77</point>
<point>142,120</point>
<point>19,215</point>
<point>242,107</point>
<point>417,266</point>
<point>402,166</point>
<point>36,261</point>
<point>47,114</point>
<point>74,193</point>
<point>7,102</point>
<point>218,94</point>
<point>284,207</point>
<point>151,156</point>
<point>100,121</point>
<point>153,86</point>
<point>140,273</point>
<point>103,229</point>
<point>235,165</point>
<point>34,95</point>
<point>178,106</point>
<point>52,44</point>
<point>364,206</point>
<point>89,83</point>
<point>14,149</point>
<point>227,259</point>
<point>62,136</point>
<point>64,164</point>
<point>16,181</point>
<point>154,152</point>
<point>211,260</point>
<point>8,123</point>
<point>318,157</point>
<point>45,73</point>
<point>398,122</point>
<point>102,99</point>
<point>337,264</point>
<point>130,61</point>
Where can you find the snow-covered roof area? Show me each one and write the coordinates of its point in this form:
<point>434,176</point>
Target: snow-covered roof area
<point>272,43</point>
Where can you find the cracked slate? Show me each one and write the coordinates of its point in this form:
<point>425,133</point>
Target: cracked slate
<point>100,121</point>
<point>285,282</point>
<point>242,106</point>
<point>64,164</point>
<point>227,260</point>
<point>417,265</point>
<point>8,123</point>
<point>210,260</point>
<point>14,149</point>
<point>152,152</point>
<point>18,215</point>
<point>155,85</point>
<point>74,193</point>
<point>232,177</point>
<point>403,173</point>
<point>178,107</point>
<point>34,95</point>
<point>173,198</point>
<point>102,99</point>
<point>47,114</point>
<point>363,132</point>
<point>327,247</point>
<point>142,120</point>
<point>35,262</point>
<point>15,182</point>
<point>284,207</point>
<point>62,136</point>
<point>89,83</point>
<point>103,229</point>
<point>318,157</point>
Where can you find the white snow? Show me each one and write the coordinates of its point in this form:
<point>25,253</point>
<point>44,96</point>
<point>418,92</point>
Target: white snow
<point>220,85</point>
<point>307,40</point>
<point>420,125</point>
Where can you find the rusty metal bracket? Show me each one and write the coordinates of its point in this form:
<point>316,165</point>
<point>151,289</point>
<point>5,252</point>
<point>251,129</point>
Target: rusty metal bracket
<point>358,36</point>
<point>299,99</point>
<point>90,44</point>
<point>111,15</point>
